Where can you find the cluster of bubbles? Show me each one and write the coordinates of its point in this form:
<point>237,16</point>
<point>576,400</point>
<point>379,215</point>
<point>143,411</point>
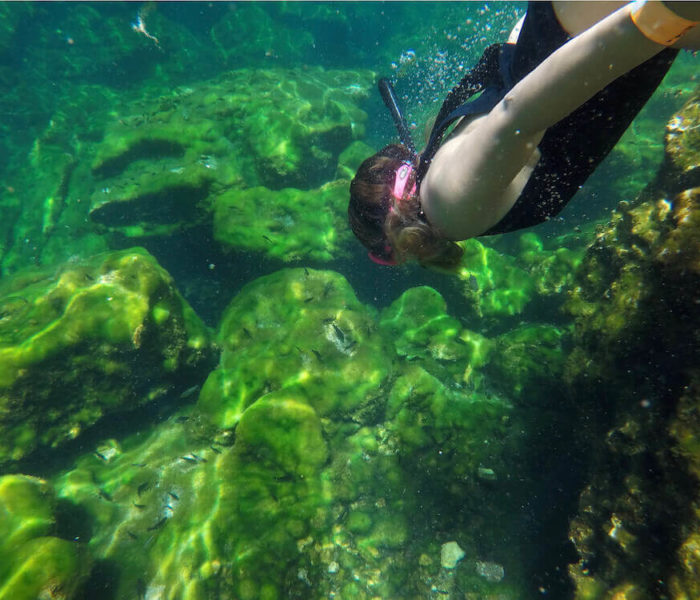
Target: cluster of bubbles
<point>424,75</point>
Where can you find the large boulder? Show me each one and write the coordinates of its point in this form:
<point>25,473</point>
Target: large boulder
<point>97,338</point>
<point>633,372</point>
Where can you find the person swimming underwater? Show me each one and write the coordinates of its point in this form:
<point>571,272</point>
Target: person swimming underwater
<point>554,101</point>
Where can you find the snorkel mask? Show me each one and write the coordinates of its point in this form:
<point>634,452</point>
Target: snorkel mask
<point>403,173</point>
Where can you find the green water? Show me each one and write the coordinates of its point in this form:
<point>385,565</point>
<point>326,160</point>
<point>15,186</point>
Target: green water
<point>206,388</point>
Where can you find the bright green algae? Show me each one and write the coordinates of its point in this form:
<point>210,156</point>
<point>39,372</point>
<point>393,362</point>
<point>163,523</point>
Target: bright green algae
<point>297,328</point>
<point>147,168</point>
<point>33,563</point>
<point>501,288</point>
<point>99,337</point>
<point>277,223</point>
<point>309,453</point>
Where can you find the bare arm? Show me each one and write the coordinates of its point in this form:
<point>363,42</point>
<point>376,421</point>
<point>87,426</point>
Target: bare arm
<point>463,193</point>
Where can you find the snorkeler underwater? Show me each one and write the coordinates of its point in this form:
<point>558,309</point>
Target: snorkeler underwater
<point>349,300</point>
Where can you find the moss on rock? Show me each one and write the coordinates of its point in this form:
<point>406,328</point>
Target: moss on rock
<point>86,342</point>
<point>32,563</point>
<point>286,225</point>
<point>297,328</point>
<point>418,325</point>
<point>633,373</point>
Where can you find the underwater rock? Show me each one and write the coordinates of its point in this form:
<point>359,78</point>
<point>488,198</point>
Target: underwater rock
<point>287,225</point>
<point>351,158</point>
<point>492,283</point>
<point>297,328</point>
<point>552,270</point>
<point>163,159</point>
<point>528,362</point>
<point>32,563</point>
<point>99,337</point>
<point>490,571</point>
<point>151,167</point>
<point>268,487</point>
<point>450,555</point>
<point>683,142</point>
<point>421,330</point>
<point>506,286</point>
<point>633,375</point>
<point>442,433</point>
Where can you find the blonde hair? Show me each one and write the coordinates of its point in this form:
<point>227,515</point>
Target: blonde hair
<point>395,230</point>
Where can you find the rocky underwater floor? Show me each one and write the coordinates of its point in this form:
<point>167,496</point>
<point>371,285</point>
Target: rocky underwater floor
<point>199,398</point>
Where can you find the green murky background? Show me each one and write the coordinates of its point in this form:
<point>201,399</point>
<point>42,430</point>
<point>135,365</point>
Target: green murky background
<point>208,392</point>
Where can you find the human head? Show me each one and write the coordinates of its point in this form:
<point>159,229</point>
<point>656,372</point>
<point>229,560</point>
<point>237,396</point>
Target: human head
<point>395,230</point>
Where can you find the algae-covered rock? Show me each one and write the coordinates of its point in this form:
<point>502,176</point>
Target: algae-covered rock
<point>99,337</point>
<point>150,166</point>
<point>552,270</point>
<point>163,159</point>
<point>426,416</point>
<point>493,285</point>
<point>421,330</point>
<point>276,497</point>
<point>683,139</point>
<point>287,224</point>
<point>154,501</point>
<point>32,563</point>
<point>302,468</point>
<point>633,375</point>
<point>528,362</point>
<point>297,328</point>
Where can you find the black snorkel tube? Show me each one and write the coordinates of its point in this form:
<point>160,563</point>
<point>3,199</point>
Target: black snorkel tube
<point>392,103</point>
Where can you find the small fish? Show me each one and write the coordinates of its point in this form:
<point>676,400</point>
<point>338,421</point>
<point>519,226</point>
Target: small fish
<point>306,271</point>
<point>140,465</point>
<point>139,506</point>
<point>190,391</point>
<point>105,496</point>
<point>189,459</point>
<point>143,487</point>
<point>182,419</point>
<point>170,508</point>
<point>198,457</point>
<point>309,299</point>
<point>173,495</point>
<point>338,332</point>
<point>99,455</point>
<point>158,525</point>
<point>215,450</point>
<point>267,239</point>
<point>247,333</point>
<point>132,535</point>
<point>317,354</point>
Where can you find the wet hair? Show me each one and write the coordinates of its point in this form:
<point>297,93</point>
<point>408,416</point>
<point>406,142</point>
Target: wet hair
<point>403,233</point>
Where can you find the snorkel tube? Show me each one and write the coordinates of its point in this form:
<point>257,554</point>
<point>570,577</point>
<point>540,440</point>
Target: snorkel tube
<point>392,103</point>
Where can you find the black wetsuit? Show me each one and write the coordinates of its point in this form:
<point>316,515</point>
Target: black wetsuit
<point>572,148</point>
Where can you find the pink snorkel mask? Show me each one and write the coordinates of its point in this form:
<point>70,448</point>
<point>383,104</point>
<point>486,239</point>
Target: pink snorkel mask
<point>403,175</point>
